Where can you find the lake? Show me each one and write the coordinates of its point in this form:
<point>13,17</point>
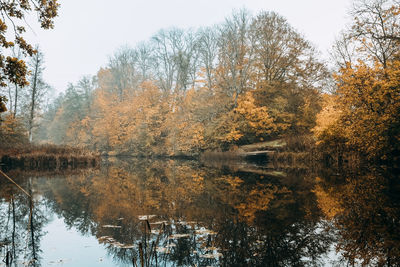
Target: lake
<point>186,213</point>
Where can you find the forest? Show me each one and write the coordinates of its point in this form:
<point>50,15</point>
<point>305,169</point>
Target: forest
<point>249,79</point>
<point>235,144</point>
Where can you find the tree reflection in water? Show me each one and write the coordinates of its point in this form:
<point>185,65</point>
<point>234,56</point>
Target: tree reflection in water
<point>366,213</point>
<point>21,225</point>
<point>212,216</point>
<point>183,214</point>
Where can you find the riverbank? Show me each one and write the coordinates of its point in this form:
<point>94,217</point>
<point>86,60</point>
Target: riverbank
<point>291,152</point>
<point>48,157</point>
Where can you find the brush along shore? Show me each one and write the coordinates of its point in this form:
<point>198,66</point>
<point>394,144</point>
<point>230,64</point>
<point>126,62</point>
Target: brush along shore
<point>48,157</point>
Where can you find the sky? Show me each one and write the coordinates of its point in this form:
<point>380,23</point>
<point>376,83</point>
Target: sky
<point>88,32</point>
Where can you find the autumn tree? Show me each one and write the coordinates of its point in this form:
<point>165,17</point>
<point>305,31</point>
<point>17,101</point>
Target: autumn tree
<point>367,85</point>
<point>288,75</point>
<point>371,103</point>
<point>12,132</point>
<point>364,115</point>
<point>247,123</point>
<point>184,91</point>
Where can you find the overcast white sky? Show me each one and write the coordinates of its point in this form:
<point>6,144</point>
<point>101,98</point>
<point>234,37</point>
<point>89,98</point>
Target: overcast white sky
<point>87,32</point>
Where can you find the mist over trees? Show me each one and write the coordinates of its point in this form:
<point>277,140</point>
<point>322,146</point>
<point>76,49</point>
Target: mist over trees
<point>26,104</point>
<point>248,79</point>
<point>13,69</point>
<point>35,93</point>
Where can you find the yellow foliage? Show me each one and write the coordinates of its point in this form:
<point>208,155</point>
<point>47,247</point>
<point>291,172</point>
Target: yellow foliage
<point>328,118</point>
<point>257,200</point>
<point>246,120</point>
<point>367,118</point>
<point>327,202</point>
<point>257,117</point>
<point>11,131</point>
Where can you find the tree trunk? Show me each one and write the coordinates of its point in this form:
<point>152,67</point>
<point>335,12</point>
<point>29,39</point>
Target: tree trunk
<point>15,101</point>
<point>33,98</point>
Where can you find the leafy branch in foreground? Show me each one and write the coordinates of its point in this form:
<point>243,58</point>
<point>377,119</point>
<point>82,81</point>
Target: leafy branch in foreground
<point>12,15</point>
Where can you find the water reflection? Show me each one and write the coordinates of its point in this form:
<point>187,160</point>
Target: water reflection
<point>184,214</point>
<point>365,207</point>
<point>21,222</point>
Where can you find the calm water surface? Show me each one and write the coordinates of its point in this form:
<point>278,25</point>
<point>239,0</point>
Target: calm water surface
<point>182,213</point>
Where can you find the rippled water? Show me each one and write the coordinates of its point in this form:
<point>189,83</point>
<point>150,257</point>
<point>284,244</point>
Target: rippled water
<point>183,213</point>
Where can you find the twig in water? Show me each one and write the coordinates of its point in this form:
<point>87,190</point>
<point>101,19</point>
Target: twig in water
<point>5,175</point>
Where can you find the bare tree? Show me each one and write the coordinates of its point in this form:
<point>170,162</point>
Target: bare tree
<point>175,58</point>
<point>376,28</point>
<point>343,51</point>
<point>208,52</point>
<point>35,92</point>
<point>14,89</point>
<point>235,54</point>
<point>144,52</point>
<point>123,70</point>
<point>164,63</point>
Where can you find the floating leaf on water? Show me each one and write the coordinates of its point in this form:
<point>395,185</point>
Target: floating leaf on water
<point>205,232</point>
<point>186,223</point>
<point>106,239</point>
<point>211,256</point>
<point>160,222</point>
<point>178,236</point>
<point>127,246</point>
<point>117,244</point>
<point>102,238</point>
<point>162,250</point>
<point>58,262</point>
<point>208,256</point>
<point>146,217</point>
<point>277,173</point>
<point>111,226</point>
